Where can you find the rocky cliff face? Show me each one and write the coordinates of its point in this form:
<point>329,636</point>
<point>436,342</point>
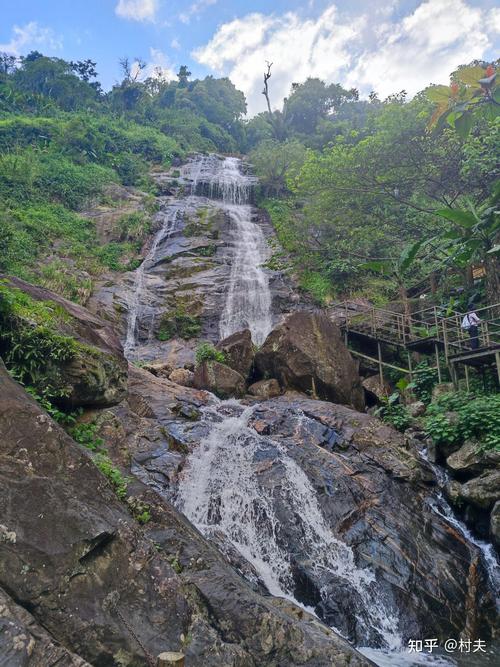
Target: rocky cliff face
<point>235,516</point>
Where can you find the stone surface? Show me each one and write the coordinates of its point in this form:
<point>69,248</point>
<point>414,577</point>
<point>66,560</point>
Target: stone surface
<point>239,352</point>
<point>71,552</point>
<point>470,460</point>
<point>307,353</point>
<point>495,525</point>
<point>97,375</point>
<point>483,491</point>
<point>416,409</point>
<point>25,643</point>
<point>182,376</point>
<point>218,378</point>
<point>265,388</point>
<point>440,389</point>
<point>374,389</point>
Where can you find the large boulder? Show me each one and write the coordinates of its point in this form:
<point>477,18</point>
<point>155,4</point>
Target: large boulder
<point>239,352</point>
<point>265,389</point>
<point>375,390</point>
<point>306,352</point>
<point>470,460</point>
<point>101,589</point>
<point>218,378</point>
<point>483,491</point>
<point>96,375</point>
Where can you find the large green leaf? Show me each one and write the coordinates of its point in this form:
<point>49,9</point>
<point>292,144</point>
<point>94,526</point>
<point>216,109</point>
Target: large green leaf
<point>438,94</point>
<point>379,266</point>
<point>463,124</point>
<point>463,218</point>
<point>470,75</point>
<point>409,253</point>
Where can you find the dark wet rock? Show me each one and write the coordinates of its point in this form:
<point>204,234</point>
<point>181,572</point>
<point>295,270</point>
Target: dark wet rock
<point>374,389</point>
<point>97,374</point>
<point>495,525</point>
<point>239,352</point>
<point>470,460</point>
<point>307,353</point>
<point>25,643</point>
<point>265,389</point>
<point>92,578</point>
<point>218,378</point>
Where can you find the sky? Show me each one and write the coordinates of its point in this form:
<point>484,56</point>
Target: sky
<point>381,45</point>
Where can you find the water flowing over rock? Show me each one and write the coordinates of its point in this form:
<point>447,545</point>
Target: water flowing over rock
<point>202,276</point>
<point>101,590</point>
<point>330,509</point>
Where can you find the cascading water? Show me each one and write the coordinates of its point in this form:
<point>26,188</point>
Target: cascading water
<point>441,507</point>
<point>221,491</point>
<point>217,183</point>
<point>136,296</point>
<point>248,300</point>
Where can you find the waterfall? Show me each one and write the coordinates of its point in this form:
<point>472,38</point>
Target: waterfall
<point>248,299</point>
<point>219,183</point>
<point>442,508</point>
<point>136,297</point>
<point>221,492</point>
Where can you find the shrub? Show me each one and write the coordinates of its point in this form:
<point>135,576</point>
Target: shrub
<point>207,352</point>
<point>179,324</point>
<point>393,412</point>
<point>477,417</point>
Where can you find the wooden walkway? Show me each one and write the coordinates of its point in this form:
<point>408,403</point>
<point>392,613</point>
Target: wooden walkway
<point>432,330</point>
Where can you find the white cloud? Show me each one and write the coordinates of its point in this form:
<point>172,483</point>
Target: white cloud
<point>137,10</point>
<point>175,44</point>
<point>373,51</point>
<point>298,48</point>
<point>30,37</point>
<point>196,8</point>
<point>422,48</point>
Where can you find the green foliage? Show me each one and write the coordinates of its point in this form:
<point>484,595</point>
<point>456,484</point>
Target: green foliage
<point>424,380</point>
<point>477,417</point>
<point>393,412</point>
<point>112,474</point>
<point>85,433</point>
<point>30,345</point>
<point>473,92</point>
<point>178,324</point>
<point>207,352</point>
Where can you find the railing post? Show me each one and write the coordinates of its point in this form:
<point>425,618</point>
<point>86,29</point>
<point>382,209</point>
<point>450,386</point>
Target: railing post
<point>380,368</point>
<point>436,350</point>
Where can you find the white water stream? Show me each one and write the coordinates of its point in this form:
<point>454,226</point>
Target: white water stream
<point>248,297</point>
<point>221,491</point>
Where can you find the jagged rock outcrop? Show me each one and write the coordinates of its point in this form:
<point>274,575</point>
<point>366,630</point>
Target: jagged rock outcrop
<point>73,556</point>
<point>238,351</point>
<point>218,378</point>
<point>307,353</point>
<point>97,374</point>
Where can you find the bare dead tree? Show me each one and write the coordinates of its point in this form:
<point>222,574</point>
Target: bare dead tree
<point>265,92</point>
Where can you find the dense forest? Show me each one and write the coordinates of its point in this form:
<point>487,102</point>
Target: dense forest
<point>351,185</point>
